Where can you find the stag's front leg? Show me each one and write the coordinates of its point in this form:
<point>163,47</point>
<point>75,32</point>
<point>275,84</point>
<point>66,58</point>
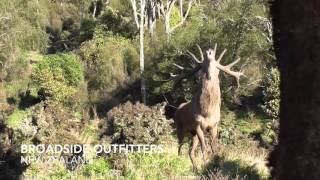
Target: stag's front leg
<point>202,142</point>
<point>200,120</point>
<point>195,142</point>
<point>213,137</point>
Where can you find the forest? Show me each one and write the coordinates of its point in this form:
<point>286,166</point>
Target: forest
<point>115,72</point>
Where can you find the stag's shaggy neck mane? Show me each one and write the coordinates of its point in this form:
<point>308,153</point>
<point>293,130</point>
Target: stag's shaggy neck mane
<point>207,99</point>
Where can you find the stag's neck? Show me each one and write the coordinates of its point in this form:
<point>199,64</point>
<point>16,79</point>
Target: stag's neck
<point>207,100</point>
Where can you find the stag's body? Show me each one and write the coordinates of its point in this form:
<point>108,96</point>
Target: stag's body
<point>202,113</point>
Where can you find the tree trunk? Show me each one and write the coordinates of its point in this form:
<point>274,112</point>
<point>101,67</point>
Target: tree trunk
<point>141,25</point>
<point>141,38</point>
<point>297,45</point>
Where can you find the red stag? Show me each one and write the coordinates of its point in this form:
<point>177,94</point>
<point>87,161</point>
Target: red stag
<point>202,114</point>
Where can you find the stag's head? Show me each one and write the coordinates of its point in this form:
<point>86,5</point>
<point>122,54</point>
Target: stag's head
<point>211,66</point>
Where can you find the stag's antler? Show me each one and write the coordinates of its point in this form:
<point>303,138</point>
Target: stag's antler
<point>227,68</point>
<point>185,75</point>
<point>195,58</point>
<point>199,62</point>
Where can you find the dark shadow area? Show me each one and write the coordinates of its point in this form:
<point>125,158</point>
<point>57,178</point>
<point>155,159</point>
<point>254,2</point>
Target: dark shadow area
<point>257,136</point>
<point>248,103</point>
<point>27,100</point>
<point>231,169</point>
<point>10,166</point>
<point>70,36</point>
<point>11,100</point>
<point>130,93</point>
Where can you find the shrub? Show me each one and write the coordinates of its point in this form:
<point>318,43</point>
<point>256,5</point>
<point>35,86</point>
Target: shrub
<point>229,129</point>
<point>16,118</point>
<point>113,21</point>
<point>237,130</point>
<point>24,129</point>
<point>111,62</point>
<point>58,76</point>
<point>137,123</point>
<point>45,123</point>
<point>271,94</point>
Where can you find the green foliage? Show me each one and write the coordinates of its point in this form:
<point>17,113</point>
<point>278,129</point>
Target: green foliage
<point>271,94</point>
<point>14,88</point>
<point>114,22</point>
<point>156,166</point>
<point>242,28</point>
<point>16,118</point>
<point>98,166</point>
<point>239,128</point>
<point>175,17</point>
<point>239,26</point>
<point>91,131</point>
<point>50,125</point>
<point>58,76</point>
<point>21,28</point>
<point>168,51</point>
<point>229,131</point>
<point>191,29</point>
<point>137,123</point>
<point>111,62</point>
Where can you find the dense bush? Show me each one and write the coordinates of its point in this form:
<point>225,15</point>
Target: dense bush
<point>18,117</point>
<point>50,124</point>
<point>112,21</point>
<point>137,123</point>
<point>111,62</point>
<point>271,94</point>
<point>58,76</point>
<point>238,128</point>
<point>22,28</point>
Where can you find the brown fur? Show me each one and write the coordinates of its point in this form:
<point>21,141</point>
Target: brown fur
<point>202,114</point>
